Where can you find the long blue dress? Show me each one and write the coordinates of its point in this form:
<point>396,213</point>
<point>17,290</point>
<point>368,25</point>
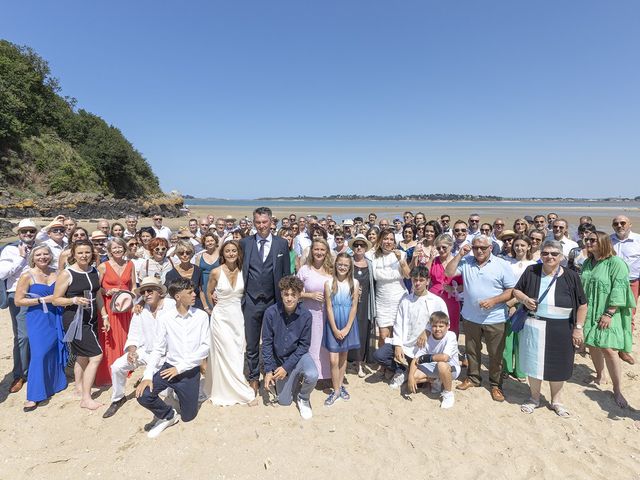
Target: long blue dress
<point>48,354</point>
<point>206,269</point>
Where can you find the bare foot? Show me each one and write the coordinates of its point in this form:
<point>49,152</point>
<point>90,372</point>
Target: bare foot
<point>598,380</point>
<point>90,404</point>
<point>253,403</point>
<point>78,392</point>
<point>620,400</point>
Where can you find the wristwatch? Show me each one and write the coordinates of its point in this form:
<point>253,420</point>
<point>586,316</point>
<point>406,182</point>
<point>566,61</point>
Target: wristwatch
<point>579,327</point>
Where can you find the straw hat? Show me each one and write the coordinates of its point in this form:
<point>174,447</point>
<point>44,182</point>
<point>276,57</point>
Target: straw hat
<point>230,218</point>
<point>24,224</point>
<point>54,224</point>
<point>507,234</point>
<point>98,235</point>
<point>151,282</point>
<point>359,238</point>
<point>122,301</point>
<point>184,232</point>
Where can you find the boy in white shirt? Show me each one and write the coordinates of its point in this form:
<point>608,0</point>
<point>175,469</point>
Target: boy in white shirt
<point>140,339</point>
<point>182,341</point>
<point>437,363</point>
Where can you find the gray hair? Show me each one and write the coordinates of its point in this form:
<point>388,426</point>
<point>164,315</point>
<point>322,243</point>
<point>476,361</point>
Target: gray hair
<point>132,217</point>
<point>482,239</point>
<point>116,241</point>
<point>555,244</point>
<point>42,246</point>
<point>444,238</point>
<point>186,246</point>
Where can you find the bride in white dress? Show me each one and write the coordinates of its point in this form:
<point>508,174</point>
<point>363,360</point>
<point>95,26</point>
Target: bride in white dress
<point>225,382</point>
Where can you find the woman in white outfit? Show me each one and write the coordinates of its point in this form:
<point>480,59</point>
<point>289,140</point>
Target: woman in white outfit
<point>389,268</point>
<point>225,382</point>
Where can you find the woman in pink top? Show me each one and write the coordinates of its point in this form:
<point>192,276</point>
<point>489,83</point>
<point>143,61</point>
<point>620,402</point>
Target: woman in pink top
<point>443,286</point>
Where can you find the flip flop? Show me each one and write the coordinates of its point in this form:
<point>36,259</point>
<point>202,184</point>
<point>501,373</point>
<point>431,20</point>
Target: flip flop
<point>560,410</point>
<point>529,406</point>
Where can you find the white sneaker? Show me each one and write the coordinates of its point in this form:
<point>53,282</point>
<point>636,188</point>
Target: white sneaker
<point>397,380</point>
<point>305,409</point>
<point>161,425</point>
<point>447,399</point>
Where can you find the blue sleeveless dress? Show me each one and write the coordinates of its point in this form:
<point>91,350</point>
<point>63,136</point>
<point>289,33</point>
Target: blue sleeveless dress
<point>48,353</point>
<point>341,303</point>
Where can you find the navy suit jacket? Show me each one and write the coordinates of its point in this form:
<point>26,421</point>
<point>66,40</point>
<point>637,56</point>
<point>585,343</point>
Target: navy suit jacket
<point>279,253</point>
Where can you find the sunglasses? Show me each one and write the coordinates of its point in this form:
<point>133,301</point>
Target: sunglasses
<point>459,230</point>
<point>180,254</point>
<point>484,248</point>
<point>498,224</point>
<point>558,227</point>
<point>359,245</point>
<point>159,250</point>
<point>590,240</point>
<point>58,230</point>
<point>28,231</point>
<point>147,290</point>
<point>133,244</point>
<point>619,224</point>
<point>473,221</point>
<point>546,254</point>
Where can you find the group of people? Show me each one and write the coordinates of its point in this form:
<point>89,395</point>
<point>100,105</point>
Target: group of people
<point>211,308</point>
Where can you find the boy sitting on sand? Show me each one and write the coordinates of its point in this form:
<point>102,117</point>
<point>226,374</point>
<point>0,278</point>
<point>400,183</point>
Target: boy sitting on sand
<point>438,362</point>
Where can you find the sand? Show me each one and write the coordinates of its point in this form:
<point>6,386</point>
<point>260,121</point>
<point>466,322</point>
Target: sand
<point>378,434</point>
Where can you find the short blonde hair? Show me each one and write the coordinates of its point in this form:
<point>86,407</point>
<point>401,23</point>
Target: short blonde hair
<point>31,260</point>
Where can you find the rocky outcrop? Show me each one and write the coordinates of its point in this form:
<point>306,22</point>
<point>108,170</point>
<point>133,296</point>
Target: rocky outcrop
<point>6,228</point>
<point>90,205</point>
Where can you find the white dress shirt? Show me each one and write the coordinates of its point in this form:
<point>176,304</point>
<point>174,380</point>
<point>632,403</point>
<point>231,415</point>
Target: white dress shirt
<point>142,330</point>
<point>267,245</point>
<point>12,265</point>
<point>412,319</point>
<point>629,250</point>
<point>300,242</point>
<point>56,250</point>
<point>163,232</point>
<point>183,341</point>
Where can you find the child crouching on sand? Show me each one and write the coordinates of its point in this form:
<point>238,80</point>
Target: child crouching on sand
<point>437,363</point>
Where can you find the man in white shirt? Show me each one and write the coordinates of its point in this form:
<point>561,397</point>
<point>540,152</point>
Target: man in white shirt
<point>181,343</point>
<point>161,230</point>
<point>474,226</point>
<point>204,227</point>
<point>460,237</point>
<point>559,233</point>
<point>13,263</point>
<point>303,239</point>
<point>627,246</point>
<point>410,326</point>
<point>140,339</point>
<point>131,222</point>
<point>397,229</point>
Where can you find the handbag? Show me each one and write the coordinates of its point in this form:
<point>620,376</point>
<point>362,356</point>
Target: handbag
<point>520,315</point>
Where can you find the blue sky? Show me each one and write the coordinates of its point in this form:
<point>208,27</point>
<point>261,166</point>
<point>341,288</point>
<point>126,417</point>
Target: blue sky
<point>241,99</point>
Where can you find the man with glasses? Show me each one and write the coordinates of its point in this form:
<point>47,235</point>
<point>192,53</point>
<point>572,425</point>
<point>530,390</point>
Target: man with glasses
<point>445,222</point>
<point>560,230</point>
<point>474,225</point>
<point>488,284</point>
<point>407,217</point>
<point>627,246</point>
<point>459,236</point>
<point>57,241</point>
<point>131,222</point>
<point>487,230</point>
<point>498,230</point>
<point>13,263</point>
<point>161,230</point>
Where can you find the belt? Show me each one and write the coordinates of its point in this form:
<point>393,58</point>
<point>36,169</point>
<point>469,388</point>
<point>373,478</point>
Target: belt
<point>538,317</point>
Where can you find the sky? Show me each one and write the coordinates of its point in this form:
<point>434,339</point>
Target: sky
<point>244,99</point>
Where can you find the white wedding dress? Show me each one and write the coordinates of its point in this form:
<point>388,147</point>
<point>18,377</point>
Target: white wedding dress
<point>225,383</point>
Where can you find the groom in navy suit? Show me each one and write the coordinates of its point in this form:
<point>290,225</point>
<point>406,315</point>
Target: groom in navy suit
<point>266,261</point>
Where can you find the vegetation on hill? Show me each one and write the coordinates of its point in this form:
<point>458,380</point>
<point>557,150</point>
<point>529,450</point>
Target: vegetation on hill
<point>48,147</point>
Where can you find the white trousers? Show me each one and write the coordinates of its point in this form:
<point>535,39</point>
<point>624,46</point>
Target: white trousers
<point>120,371</point>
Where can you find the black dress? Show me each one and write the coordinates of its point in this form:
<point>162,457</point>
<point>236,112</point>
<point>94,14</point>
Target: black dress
<point>83,343</point>
<point>196,278</point>
<point>362,317</point>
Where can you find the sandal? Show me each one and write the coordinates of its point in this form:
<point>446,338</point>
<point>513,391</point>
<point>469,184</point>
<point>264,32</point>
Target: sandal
<point>529,406</point>
<point>560,410</point>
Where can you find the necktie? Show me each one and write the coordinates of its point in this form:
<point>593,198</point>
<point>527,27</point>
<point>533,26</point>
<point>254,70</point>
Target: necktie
<point>261,249</point>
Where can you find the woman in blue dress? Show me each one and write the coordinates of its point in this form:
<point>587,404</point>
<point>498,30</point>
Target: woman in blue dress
<point>44,328</point>
<point>341,295</point>
<point>207,260</point>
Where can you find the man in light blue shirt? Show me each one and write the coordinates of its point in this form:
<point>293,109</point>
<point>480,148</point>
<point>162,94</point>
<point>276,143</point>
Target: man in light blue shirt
<point>488,284</point>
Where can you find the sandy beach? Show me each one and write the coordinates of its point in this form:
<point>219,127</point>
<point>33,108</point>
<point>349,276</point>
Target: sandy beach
<point>377,434</point>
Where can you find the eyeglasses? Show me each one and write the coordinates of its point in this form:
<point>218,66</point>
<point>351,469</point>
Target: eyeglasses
<point>546,254</point>
<point>474,221</point>
<point>359,245</point>
<point>619,224</point>
<point>155,219</point>
<point>485,230</point>
<point>180,254</point>
<point>590,240</point>
<point>58,230</point>
<point>459,230</point>
<point>28,231</point>
<point>160,250</point>
<point>147,290</point>
<point>483,248</point>
<point>133,244</point>
<point>498,224</point>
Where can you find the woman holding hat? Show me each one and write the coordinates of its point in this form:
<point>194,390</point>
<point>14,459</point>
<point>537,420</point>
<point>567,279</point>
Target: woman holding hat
<point>116,274</point>
<point>78,290</point>
<point>363,272</point>
<point>44,328</point>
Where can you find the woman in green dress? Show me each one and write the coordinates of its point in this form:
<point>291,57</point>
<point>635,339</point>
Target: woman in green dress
<point>607,329</point>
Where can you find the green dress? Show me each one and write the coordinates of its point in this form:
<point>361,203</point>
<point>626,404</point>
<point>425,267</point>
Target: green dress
<point>606,284</point>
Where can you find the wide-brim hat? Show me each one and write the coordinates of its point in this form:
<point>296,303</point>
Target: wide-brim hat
<point>54,224</point>
<point>230,217</point>
<point>98,235</point>
<point>347,222</point>
<point>150,282</point>
<point>359,238</point>
<point>122,301</point>
<point>184,233</point>
<point>24,224</point>
<point>507,233</point>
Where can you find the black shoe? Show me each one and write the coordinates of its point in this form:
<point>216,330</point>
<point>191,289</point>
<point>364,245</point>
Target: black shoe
<point>151,424</point>
<point>114,407</point>
<point>31,408</point>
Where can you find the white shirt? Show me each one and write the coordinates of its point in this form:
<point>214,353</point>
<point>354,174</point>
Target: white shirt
<point>12,265</point>
<point>629,251</point>
<point>267,245</point>
<point>127,234</point>
<point>300,242</point>
<point>447,344</point>
<point>412,319</point>
<point>567,246</point>
<point>56,250</point>
<point>398,236</point>
<point>142,330</point>
<point>150,268</point>
<point>163,232</point>
<point>183,342</point>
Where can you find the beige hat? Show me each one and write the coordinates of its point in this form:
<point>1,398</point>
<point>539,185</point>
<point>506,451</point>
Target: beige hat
<point>507,233</point>
<point>347,222</point>
<point>359,238</point>
<point>152,282</point>
<point>54,224</point>
<point>24,224</point>
<point>184,232</point>
<point>98,235</point>
<point>230,217</point>
<point>122,301</point>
